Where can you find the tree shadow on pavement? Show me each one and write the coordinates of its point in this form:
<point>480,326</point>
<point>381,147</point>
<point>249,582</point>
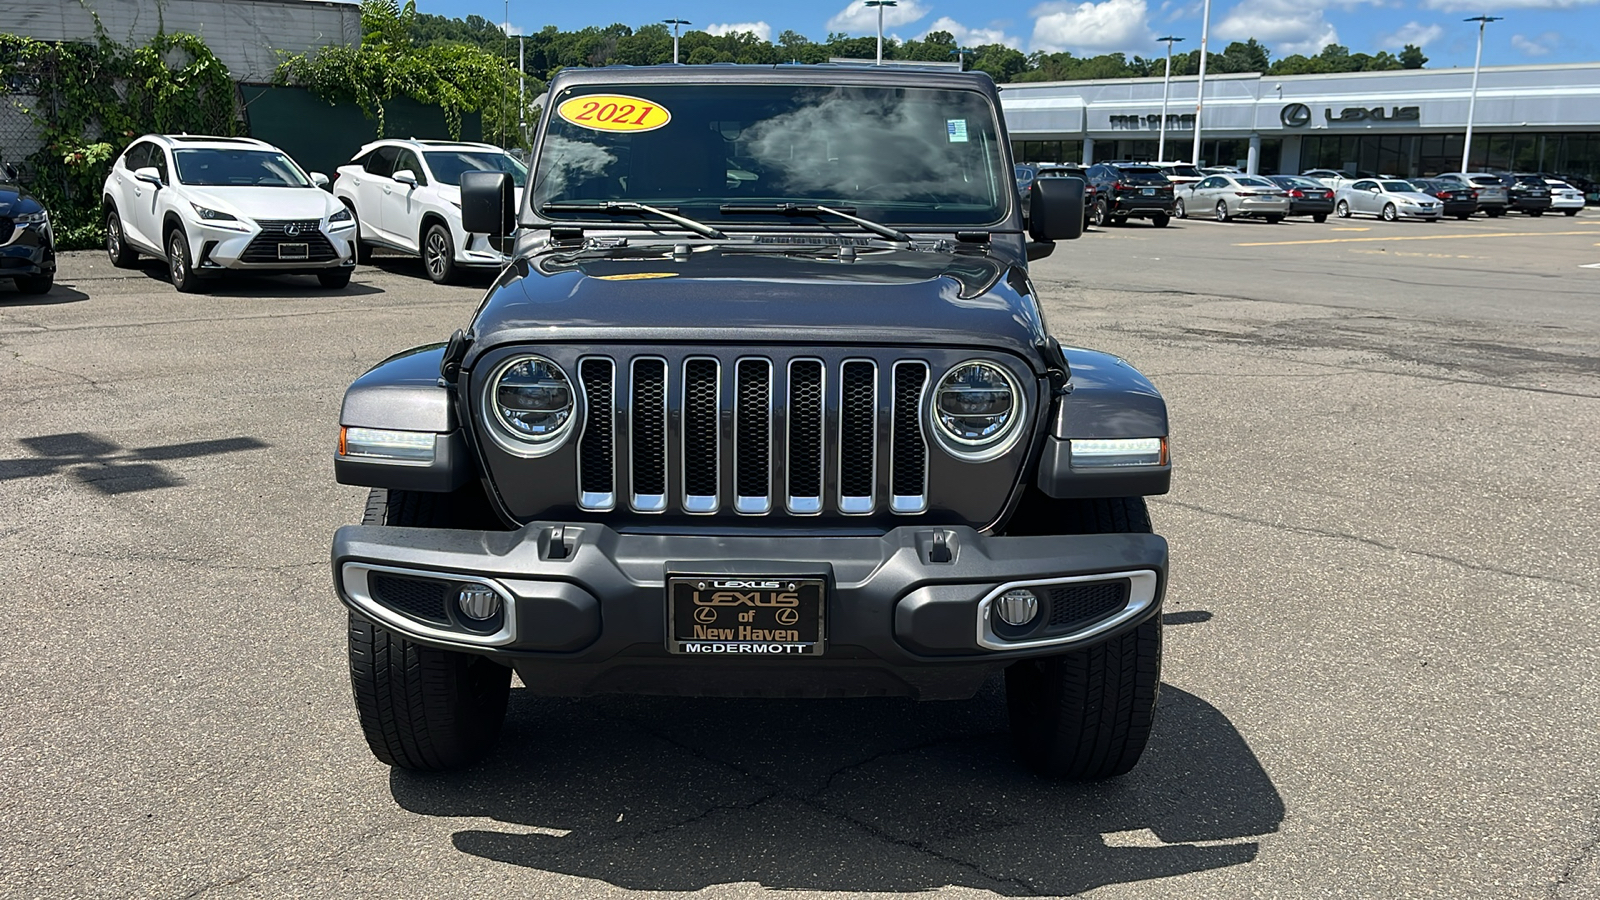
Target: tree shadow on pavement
<point>675,794</point>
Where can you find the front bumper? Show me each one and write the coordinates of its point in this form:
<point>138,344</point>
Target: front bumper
<point>907,612</point>
<point>215,248</point>
<point>29,249</point>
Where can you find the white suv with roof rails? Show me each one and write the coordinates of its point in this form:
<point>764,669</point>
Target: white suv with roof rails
<point>208,205</point>
<point>406,196</point>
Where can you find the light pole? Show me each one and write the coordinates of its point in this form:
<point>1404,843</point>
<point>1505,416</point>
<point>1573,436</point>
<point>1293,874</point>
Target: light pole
<point>1166,86</point>
<point>880,4</point>
<point>675,23</point>
<point>1472,102</point>
<point>1200,85</point>
<point>961,54</point>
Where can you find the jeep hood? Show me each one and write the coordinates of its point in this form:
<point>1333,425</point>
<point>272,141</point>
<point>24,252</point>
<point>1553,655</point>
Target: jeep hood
<point>750,294</point>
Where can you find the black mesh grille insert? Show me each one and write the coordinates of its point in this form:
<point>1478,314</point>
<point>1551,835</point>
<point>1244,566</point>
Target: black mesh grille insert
<point>649,438</point>
<point>700,427</point>
<point>857,419</point>
<point>419,598</point>
<point>752,436</point>
<point>1074,606</point>
<point>264,248</point>
<point>805,429</point>
<point>597,450</point>
<point>910,464</point>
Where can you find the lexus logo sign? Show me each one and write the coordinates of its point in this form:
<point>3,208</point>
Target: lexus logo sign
<point>1295,115</point>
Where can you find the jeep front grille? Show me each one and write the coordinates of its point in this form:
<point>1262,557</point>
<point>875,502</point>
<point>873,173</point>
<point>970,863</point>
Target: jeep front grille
<point>753,434</point>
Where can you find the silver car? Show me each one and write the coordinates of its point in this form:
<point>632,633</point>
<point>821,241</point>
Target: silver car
<point>1493,199</point>
<point>1228,196</point>
<point>1388,198</point>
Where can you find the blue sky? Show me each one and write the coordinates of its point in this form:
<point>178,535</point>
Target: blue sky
<point>1542,31</point>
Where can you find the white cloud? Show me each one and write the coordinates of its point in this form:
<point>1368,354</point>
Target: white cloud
<point>858,18</point>
<point>760,29</point>
<point>974,37</point>
<point>1536,46</point>
<point>1411,33</point>
<point>510,29</point>
<point>1092,28</point>
<point>1478,6</point>
<point>1285,26</point>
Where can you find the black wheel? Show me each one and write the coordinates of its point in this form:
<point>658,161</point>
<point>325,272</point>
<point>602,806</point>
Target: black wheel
<point>1273,220</point>
<point>1179,210</point>
<point>1100,215</point>
<point>36,284</point>
<point>1087,715</point>
<point>122,255</point>
<point>1319,218</point>
<point>1535,213</point>
<point>334,279</point>
<point>180,265</point>
<point>1494,213</point>
<point>439,254</point>
<point>1160,220</point>
<point>1571,212</point>
<point>1117,221</point>
<point>363,249</point>
<point>1463,216</point>
<point>1222,213</point>
<point>420,707</point>
<point>1342,210</point>
<point>1390,213</point>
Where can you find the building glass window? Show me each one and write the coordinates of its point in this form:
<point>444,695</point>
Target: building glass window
<point>1048,151</point>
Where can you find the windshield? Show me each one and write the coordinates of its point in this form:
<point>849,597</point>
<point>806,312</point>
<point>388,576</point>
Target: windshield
<point>1254,182</point>
<point>1400,187</point>
<point>1184,171</point>
<point>447,165</point>
<point>904,155</point>
<point>1486,181</point>
<point>260,168</point>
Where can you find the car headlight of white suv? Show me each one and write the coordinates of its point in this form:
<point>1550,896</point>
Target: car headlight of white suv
<point>217,217</point>
<point>341,219</point>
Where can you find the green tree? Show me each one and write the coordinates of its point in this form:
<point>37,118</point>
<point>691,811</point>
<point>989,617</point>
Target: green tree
<point>1411,57</point>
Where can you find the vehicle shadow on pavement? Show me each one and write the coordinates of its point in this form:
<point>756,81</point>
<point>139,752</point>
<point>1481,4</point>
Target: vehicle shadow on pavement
<point>110,468</point>
<point>675,794</point>
<point>257,284</point>
<point>11,298</point>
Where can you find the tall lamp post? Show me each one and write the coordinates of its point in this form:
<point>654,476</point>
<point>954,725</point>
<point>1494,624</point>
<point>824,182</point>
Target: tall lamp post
<point>1200,84</point>
<point>961,54</point>
<point>880,4</point>
<point>675,23</point>
<point>1472,102</point>
<point>1166,86</point>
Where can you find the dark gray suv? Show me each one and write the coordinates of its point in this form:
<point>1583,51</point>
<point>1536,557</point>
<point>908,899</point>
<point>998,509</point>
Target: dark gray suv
<point>764,406</point>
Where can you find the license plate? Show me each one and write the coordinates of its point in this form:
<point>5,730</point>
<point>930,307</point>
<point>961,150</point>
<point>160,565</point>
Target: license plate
<point>1148,192</point>
<point>294,251</point>
<point>746,616</point>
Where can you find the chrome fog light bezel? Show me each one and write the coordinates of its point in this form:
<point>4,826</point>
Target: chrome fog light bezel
<point>501,432</point>
<point>1142,587</point>
<point>991,447</point>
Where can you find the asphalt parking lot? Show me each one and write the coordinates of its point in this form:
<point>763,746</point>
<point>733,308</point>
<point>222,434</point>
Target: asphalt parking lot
<point>1380,677</point>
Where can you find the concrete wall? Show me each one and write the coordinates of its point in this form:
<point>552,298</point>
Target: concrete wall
<point>244,34</point>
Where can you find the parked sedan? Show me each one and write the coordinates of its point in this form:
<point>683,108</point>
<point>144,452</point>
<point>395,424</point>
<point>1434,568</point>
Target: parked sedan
<point>1307,196</point>
<point>27,248</point>
<point>1390,199</point>
<point>1230,196</point>
<point>1492,197</point>
<point>1528,194</point>
<point>1458,199</point>
<point>1564,197</point>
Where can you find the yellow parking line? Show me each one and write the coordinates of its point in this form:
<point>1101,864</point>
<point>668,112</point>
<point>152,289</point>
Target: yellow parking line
<point>1420,237</point>
<point>1350,229</point>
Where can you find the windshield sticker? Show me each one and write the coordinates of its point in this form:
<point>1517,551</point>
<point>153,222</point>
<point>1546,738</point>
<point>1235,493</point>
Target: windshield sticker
<point>957,129</point>
<point>614,112</point>
<point>637,276</point>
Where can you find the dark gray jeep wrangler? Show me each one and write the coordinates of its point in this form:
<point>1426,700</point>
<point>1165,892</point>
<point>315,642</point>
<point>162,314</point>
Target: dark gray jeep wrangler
<point>764,407</point>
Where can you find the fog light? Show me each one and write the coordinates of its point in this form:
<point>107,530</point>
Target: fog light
<point>477,602</point>
<point>1017,607</point>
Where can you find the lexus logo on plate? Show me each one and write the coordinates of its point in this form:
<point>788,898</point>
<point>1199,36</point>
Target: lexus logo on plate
<point>293,228</point>
<point>1295,115</point>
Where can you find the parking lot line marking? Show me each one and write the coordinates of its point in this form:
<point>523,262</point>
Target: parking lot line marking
<point>1419,237</point>
<point>1590,266</point>
<point>1369,228</point>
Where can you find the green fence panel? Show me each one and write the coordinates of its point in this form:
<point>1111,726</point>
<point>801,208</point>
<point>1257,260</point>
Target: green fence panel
<point>322,137</point>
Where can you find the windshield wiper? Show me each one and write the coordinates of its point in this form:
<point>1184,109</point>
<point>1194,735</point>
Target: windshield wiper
<point>811,209</point>
<point>614,206</point>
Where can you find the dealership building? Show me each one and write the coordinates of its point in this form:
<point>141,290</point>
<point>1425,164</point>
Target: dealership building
<point>1409,123</point>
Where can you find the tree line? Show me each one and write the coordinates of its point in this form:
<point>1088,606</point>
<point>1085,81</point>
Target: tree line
<point>551,49</point>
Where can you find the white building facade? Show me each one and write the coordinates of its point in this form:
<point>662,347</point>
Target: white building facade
<point>1409,123</point>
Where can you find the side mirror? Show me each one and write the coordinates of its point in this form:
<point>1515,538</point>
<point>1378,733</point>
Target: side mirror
<point>405,176</point>
<point>1376,190</point>
<point>149,175</point>
<point>319,179</point>
<point>488,203</point>
<point>1055,209</point>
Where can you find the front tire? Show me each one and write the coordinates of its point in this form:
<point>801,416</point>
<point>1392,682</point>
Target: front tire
<point>122,256</point>
<point>422,708</point>
<point>439,254</point>
<point>1390,213</point>
<point>180,265</point>
<point>1087,715</point>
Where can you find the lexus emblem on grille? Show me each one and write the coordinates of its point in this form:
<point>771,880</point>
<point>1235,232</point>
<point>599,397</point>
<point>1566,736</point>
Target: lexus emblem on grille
<point>291,229</point>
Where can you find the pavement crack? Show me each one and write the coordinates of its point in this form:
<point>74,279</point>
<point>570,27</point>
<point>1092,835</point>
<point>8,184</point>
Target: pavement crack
<point>1585,856</point>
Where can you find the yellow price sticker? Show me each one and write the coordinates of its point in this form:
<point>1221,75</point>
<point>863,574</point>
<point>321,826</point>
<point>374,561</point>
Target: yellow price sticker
<point>613,112</point>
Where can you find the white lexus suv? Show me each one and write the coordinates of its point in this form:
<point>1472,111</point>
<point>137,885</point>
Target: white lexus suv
<point>208,205</point>
<point>406,196</point>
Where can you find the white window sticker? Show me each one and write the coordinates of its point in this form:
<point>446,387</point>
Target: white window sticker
<point>957,129</point>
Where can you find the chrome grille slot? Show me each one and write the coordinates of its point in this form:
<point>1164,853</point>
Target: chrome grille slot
<point>752,437</point>
<point>597,486</point>
<point>806,382</point>
<point>702,389</point>
<point>908,453</point>
<point>858,436</point>
<point>647,434</point>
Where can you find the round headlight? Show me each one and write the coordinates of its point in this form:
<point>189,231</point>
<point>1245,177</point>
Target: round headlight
<point>531,400</point>
<point>976,406</point>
